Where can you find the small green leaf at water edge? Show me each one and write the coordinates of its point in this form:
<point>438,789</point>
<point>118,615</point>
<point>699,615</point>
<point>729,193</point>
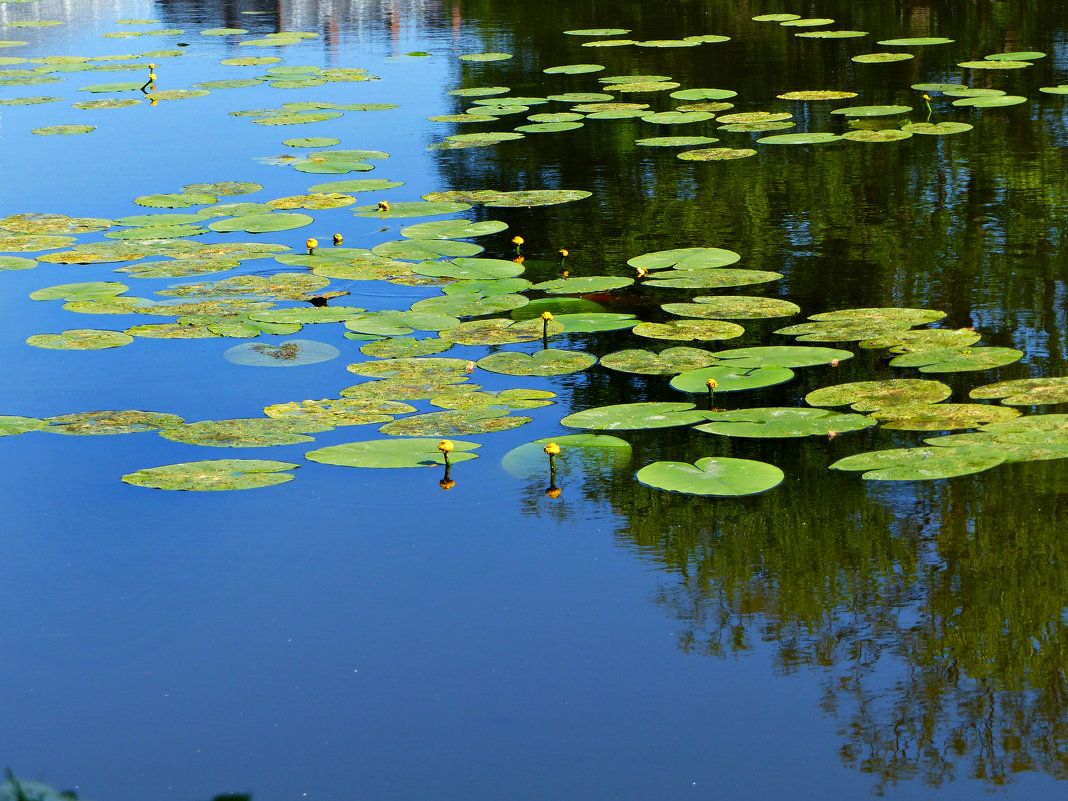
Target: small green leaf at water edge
<point>546,362</point>
<point>291,353</point>
<point>713,475</point>
<point>632,416</point>
<point>80,339</point>
<point>1025,391</point>
<point>730,378</point>
<point>955,360</point>
<point>215,474</point>
<point>941,416</point>
<point>393,453</point>
<point>921,464</point>
<point>670,361</point>
<point>778,422</point>
<point>867,396</point>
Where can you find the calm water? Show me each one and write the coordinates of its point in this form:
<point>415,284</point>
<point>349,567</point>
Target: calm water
<point>360,634</point>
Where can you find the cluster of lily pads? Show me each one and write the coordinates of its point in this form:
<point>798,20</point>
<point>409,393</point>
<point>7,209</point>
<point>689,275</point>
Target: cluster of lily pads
<point>497,301</point>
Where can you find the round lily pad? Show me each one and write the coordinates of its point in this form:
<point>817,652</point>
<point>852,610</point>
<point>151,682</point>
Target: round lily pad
<point>331,412</point>
<point>583,285</point>
<point>937,128</point>
<point>452,229</point>
<point>782,356</point>
<point>470,305</point>
<point>668,362</point>
<point>941,416</point>
<point>393,453</point>
<point>16,263</point>
<point>456,422</point>
<point>485,56</point>
<point>675,141</point>
<point>252,432</point>
<point>290,353</point>
<point>954,360</point>
<point>717,154</point>
<point>178,200</point>
<point>1025,391</point>
<point>544,362</point>
<point>885,135</point>
<point>80,339</point>
<point>730,378</point>
<point>510,399</point>
<point>916,41</point>
<point>88,290</point>
<point>573,69</point>
<point>920,464</point>
<point>998,101</point>
<point>52,130</point>
<point>713,475</point>
<point>685,259</point>
<point>923,339</point>
<point>499,331</point>
<point>598,32</point>
<point>799,139</point>
<point>581,455</point>
<point>866,396</point>
<point>778,422</point>
<point>872,111</point>
<point>881,58</point>
<point>689,330</point>
<point>632,416</point>
<point>733,307</point>
<point>426,249</point>
<point>214,474</point>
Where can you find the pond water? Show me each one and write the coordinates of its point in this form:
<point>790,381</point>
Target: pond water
<point>496,630</point>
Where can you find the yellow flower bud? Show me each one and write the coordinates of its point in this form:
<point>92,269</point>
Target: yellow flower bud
<point>547,316</point>
<point>445,446</point>
<point>552,449</point>
<point>152,76</point>
<point>383,205</point>
<point>563,253</point>
<point>517,240</point>
<point>711,383</point>
<point>311,245</point>
<point>642,272</point>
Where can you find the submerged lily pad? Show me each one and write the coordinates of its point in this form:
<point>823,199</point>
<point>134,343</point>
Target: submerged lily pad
<point>80,339</point>
<point>921,464</point>
<point>713,475</point>
<point>393,453</point>
<point>777,422</point>
<point>632,416</point>
<point>545,362</point>
<point>214,474</point>
<point>867,396</point>
<point>1025,391</point>
<point>291,353</point>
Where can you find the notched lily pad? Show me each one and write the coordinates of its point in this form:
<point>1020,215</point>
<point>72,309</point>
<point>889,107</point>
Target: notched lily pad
<point>941,416</point>
<point>955,360</point>
<point>921,464</point>
<point>689,330</point>
<point>633,416</point>
<point>670,361</point>
<point>545,362</point>
<point>778,422</point>
<point>249,432</point>
<point>719,476</point>
<point>730,378</point>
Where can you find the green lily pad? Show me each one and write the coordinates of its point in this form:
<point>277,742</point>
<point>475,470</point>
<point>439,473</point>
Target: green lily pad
<point>1023,451</point>
<point>730,378</point>
<point>917,41</point>
<point>799,139</point>
<point>632,416</point>
<point>438,368</point>
<point>782,356</point>
<point>224,188</point>
<point>89,290</point>
<point>689,330</point>
<point>307,316</point>
<point>717,154</point>
<point>581,455</point>
<point>477,140</point>
<point>806,23</point>
<point>393,453</point>
<point>991,102</point>
<point>872,111</point>
<point>103,88</point>
<point>171,331</point>
<point>80,339</point>
<point>955,360</point>
<point>818,94</point>
<point>844,331</point>
<point>867,396</point>
<point>937,128</point>
<point>107,104</point>
<point>994,65</point>
<point>546,362</point>
<point>13,424</point>
<point>331,412</point>
<point>1061,89</point>
<point>609,43</point>
<point>29,101</point>
<point>426,249</point>
<point>598,32</point>
<point>485,56</point>
<point>291,353</point>
<point>262,223</point>
<point>921,464</point>
<point>414,388</point>
<point>549,127</point>
<point>885,135</point>
<point>668,362</point>
<point>453,423</point>
<point>1019,55</point>
<point>556,305</point>
<point>470,305</point>
<point>678,117</point>
<point>831,34</point>
<point>561,116</point>
<point>511,399</point>
<point>923,339</point>
<point>491,286</point>
<point>398,323</point>
<point>356,185</point>
<point>713,475</point>
<point>110,422</point>
<point>177,200</point>
<point>573,69</point>
<point>675,141</point>
<point>214,474</point>
<point>733,307</point>
<point>777,422</point>
<point>881,58</point>
<point>404,347</point>
<point>452,229</point>
<point>941,416</point>
<point>499,331</point>
<point>16,263</point>
<point>583,285</point>
<point>588,323</point>
<point>880,315</point>
<point>414,208</point>
<point>64,130</point>
<point>251,432</point>
<point>1025,391</point>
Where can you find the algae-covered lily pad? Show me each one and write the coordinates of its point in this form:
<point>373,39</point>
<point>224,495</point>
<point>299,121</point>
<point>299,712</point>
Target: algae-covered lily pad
<point>916,41</point>
<point>338,411</point>
<point>867,396</point>
<point>713,475</point>
<point>1025,391</point>
<point>485,56</point>
<point>52,130</point>
<point>941,416</point>
<point>881,58</point>
<point>632,416</point>
<point>668,362</point>
<point>250,432</point>
<point>776,422</point>
<point>583,285</point>
<point>733,307</point>
<point>675,141</point>
<point>499,331</point>
<point>175,200</point>
<point>689,330</point>
<point>458,141</point>
<point>393,453</point>
<point>936,128</point>
<point>16,263</point>
<point>799,139</point>
<point>413,208</point>
<point>439,368</point>
<point>455,422</point>
<point>215,474</point>
<point>717,154</point>
<point>401,347</point>
<point>921,464</point>
<point>730,378</point>
<point>923,339</point>
<point>885,135</point>
<point>710,279</point>
<point>685,259</point>
<point>545,362</point>
<point>955,360</point>
<point>510,399</point>
<point>291,353</point>
<point>470,305</point>
<point>80,339</point>
<point>880,315</point>
<point>110,422</point>
<point>426,249</point>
